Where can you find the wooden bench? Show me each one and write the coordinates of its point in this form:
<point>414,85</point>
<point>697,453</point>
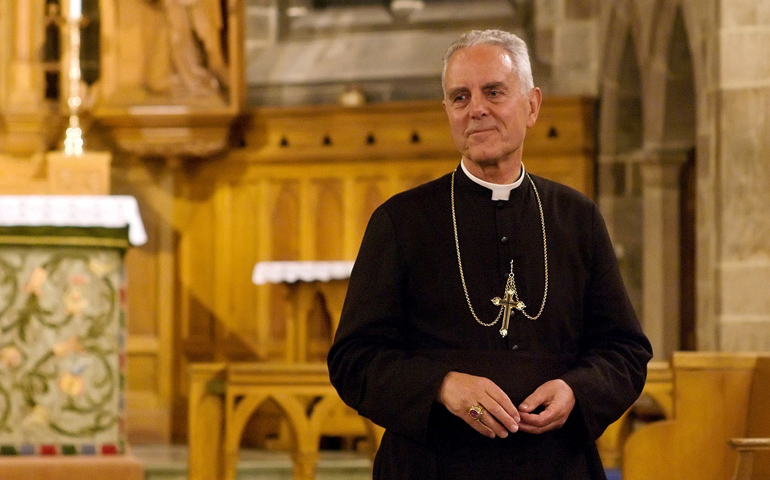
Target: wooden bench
<point>717,397</point>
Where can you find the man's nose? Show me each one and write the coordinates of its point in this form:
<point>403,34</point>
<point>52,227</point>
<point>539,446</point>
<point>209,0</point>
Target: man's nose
<point>478,107</point>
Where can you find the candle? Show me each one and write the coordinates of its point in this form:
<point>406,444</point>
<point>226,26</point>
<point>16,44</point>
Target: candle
<point>76,9</point>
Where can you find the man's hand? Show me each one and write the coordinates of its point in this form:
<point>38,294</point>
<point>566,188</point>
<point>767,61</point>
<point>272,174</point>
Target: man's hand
<point>460,391</point>
<point>558,400</point>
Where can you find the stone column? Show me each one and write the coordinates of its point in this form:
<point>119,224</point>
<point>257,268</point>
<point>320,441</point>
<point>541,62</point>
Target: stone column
<point>743,222</point>
<point>742,185</point>
<point>660,251</point>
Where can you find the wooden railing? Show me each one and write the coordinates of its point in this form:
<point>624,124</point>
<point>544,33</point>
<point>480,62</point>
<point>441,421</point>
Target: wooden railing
<point>223,397</point>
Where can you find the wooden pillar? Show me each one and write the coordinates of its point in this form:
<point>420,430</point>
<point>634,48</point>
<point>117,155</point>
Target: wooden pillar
<point>305,463</point>
<point>206,421</point>
<point>26,67</point>
<point>29,125</point>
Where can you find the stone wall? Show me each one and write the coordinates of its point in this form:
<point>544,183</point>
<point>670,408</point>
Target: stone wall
<point>743,176</point>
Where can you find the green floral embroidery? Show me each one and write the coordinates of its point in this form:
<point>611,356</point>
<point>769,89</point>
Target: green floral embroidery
<point>60,345</point>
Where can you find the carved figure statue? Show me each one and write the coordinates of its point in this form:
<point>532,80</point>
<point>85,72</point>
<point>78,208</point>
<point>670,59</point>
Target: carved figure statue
<point>196,52</point>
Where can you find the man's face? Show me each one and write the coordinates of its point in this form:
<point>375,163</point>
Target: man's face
<point>488,115</point>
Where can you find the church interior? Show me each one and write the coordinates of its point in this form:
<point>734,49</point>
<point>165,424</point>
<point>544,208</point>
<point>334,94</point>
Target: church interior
<point>184,185</point>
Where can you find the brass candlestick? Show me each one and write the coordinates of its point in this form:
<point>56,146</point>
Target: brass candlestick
<point>73,142</point>
<point>75,171</point>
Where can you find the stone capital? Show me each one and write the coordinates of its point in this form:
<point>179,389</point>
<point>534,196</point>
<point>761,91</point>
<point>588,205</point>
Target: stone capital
<point>662,168</point>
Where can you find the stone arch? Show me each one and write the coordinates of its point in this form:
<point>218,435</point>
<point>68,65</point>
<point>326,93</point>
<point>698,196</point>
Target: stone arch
<point>622,20</point>
<point>679,108</point>
<point>669,31</point>
<point>620,142</point>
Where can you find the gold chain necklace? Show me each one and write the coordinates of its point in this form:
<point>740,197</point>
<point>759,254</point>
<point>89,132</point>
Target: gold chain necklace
<point>510,299</point>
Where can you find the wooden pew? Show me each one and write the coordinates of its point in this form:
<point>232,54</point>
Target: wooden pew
<point>746,448</point>
<point>717,396</point>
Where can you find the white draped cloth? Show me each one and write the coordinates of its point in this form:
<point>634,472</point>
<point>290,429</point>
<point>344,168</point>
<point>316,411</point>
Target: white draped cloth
<point>291,272</point>
<point>110,211</point>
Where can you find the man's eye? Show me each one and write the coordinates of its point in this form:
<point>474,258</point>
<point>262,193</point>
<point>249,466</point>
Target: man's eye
<point>494,93</point>
<point>460,98</point>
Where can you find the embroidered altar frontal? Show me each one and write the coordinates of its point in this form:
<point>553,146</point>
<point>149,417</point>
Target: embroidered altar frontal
<point>62,340</point>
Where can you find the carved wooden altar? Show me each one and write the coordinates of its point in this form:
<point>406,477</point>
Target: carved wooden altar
<point>315,291</point>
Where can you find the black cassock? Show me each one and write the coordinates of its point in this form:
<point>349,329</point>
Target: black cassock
<point>405,324</point>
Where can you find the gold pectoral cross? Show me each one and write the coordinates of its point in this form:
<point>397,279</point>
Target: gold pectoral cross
<point>508,302</point>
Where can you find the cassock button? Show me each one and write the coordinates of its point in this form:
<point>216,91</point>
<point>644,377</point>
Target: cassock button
<point>504,240</point>
<point>515,347</point>
<point>500,205</point>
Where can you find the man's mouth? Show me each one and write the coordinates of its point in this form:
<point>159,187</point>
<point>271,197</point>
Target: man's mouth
<point>480,130</point>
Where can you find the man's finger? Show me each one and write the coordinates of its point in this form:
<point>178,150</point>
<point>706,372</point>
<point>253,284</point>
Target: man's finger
<point>506,407</point>
<point>486,424</point>
<point>501,416</point>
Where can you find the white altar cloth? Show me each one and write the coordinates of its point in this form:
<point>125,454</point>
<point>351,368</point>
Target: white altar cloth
<point>291,272</point>
<point>110,211</point>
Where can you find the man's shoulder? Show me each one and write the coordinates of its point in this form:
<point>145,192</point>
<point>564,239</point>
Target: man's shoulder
<point>561,192</point>
<point>423,194</point>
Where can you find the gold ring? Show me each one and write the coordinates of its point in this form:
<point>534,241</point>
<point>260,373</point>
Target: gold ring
<point>476,411</point>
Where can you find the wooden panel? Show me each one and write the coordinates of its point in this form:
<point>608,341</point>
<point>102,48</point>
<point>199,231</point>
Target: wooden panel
<point>150,276</point>
<point>329,219</point>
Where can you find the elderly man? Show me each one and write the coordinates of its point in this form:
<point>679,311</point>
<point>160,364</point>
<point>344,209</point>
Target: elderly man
<point>486,325</point>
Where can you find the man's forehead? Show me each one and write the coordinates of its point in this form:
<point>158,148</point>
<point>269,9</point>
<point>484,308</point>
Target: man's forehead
<point>491,57</point>
<point>482,51</point>
<point>497,66</point>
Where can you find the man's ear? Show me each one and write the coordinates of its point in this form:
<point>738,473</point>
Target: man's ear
<point>535,98</point>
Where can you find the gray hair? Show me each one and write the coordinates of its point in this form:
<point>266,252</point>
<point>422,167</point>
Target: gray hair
<point>514,45</point>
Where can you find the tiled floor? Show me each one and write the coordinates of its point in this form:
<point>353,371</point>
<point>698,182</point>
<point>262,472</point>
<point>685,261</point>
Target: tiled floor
<point>169,462</point>
<point>613,474</point>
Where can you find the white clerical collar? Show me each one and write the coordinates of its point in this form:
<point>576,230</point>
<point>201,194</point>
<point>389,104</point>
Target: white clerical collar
<point>499,192</point>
